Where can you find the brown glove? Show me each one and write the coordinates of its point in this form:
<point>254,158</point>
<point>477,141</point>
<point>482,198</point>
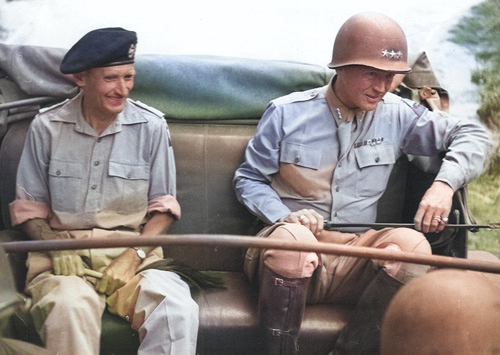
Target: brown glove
<point>64,262</point>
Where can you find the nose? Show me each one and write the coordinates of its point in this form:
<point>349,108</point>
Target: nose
<point>123,86</point>
<point>382,84</point>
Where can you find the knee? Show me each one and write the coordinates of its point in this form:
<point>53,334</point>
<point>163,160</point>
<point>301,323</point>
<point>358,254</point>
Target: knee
<point>79,296</point>
<point>64,290</point>
<point>291,263</point>
<point>409,240</point>
<point>69,295</point>
<point>159,285</point>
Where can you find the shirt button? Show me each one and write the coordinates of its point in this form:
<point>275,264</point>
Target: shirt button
<point>377,160</point>
<point>335,214</point>
<point>58,172</point>
<point>96,163</point>
<point>337,189</point>
<point>297,160</point>
<point>93,187</point>
<point>99,140</point>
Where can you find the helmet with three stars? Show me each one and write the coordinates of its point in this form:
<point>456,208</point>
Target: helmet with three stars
<point>373,40</point>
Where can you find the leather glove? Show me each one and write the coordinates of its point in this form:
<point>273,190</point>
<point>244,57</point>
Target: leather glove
<point>64,262</point>
<point>67,262</point>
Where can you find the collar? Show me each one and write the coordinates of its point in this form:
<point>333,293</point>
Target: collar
<point>340,112</point>
<point>72,113</point>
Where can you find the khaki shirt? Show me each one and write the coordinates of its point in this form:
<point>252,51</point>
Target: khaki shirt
<point>79,180</point>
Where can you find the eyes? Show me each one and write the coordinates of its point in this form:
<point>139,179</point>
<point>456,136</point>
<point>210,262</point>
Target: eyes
<point>115,78</point>
<point>379,75</point>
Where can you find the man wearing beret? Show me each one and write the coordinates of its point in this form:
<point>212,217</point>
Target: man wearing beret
<point>96,166</point>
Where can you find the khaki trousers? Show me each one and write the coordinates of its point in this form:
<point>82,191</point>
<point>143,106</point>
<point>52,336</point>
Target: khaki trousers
<point>67,310</point>
<point>336,278</point>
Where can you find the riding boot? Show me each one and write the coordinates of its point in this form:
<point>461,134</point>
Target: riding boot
<point>281,306</point>
<point>362,333</point>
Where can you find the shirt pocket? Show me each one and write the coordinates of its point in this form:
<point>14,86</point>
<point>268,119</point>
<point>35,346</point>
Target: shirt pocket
<point>300,155</point>
<point>127,187</point>
<point>65,185</point>
<point>375,164</point>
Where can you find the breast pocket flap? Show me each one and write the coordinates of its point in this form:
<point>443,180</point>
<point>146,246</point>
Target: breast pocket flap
<point>301,155</point>
<point>129,171</point>
<point>374,155</point>
<point>65,169</point>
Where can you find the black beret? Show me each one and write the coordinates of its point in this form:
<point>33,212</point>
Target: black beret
<point>100,48</point>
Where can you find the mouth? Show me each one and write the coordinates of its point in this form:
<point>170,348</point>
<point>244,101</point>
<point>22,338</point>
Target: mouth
<point>115,100</point>
<point>373,99</point>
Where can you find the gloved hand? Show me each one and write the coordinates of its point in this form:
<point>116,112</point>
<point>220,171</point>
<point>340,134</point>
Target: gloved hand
<point>67,262</point>
<point>64,262</point>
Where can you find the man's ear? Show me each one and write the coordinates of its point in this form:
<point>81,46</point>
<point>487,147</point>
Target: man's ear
<point>79,79</point>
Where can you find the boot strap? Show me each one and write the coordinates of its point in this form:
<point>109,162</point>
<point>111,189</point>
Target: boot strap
<point>285,283</point>
<point>281,333</point>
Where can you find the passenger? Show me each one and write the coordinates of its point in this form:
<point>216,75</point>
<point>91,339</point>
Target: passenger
<point>327,153</point>
<point>96,166</point>
<point>449,312</point>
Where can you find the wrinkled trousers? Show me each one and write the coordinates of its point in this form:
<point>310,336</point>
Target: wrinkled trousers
<point>336,278</point>
<point>67,310</point>
<point>67,313</point>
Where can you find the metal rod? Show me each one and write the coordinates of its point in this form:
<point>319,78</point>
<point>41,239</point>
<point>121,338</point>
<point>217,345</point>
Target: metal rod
<point>29,102</point>
<point>335,226</point>
<point>254,242</point>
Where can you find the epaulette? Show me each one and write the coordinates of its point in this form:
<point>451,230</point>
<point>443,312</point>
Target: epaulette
<point>297,97</point>
<point>49,108</point>
<point>416,107</point>
<point>148,108</point>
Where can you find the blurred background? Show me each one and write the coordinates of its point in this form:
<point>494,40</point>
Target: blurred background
<point>295,30</point>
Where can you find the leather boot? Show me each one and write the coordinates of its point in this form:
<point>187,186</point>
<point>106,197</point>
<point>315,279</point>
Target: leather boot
<point>362,333</point>
<point>281,306</point>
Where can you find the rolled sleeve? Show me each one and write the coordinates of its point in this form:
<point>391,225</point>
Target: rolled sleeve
<point>23,210</point>
<point>165,204</point>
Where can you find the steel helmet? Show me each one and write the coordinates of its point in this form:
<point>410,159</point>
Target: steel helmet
<point>373,40</point>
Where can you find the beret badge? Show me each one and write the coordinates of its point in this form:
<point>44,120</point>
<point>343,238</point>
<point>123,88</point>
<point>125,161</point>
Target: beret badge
<point>131,51</point>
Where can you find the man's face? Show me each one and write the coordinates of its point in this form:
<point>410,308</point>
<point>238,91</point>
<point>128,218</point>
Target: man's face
<point>362,87</point>
<point>106,89</point>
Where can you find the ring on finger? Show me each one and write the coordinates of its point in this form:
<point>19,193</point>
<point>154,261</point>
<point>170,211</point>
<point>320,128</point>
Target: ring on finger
<point>302,218</point>
<point>438,219</point>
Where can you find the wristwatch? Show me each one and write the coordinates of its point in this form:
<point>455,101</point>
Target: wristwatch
<point>140,253</point>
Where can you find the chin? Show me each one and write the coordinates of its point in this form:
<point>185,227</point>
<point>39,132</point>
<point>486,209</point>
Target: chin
<point>369,106</point>
<point>115,110</point>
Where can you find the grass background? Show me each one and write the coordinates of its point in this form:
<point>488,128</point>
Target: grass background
<point>484,203</point>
